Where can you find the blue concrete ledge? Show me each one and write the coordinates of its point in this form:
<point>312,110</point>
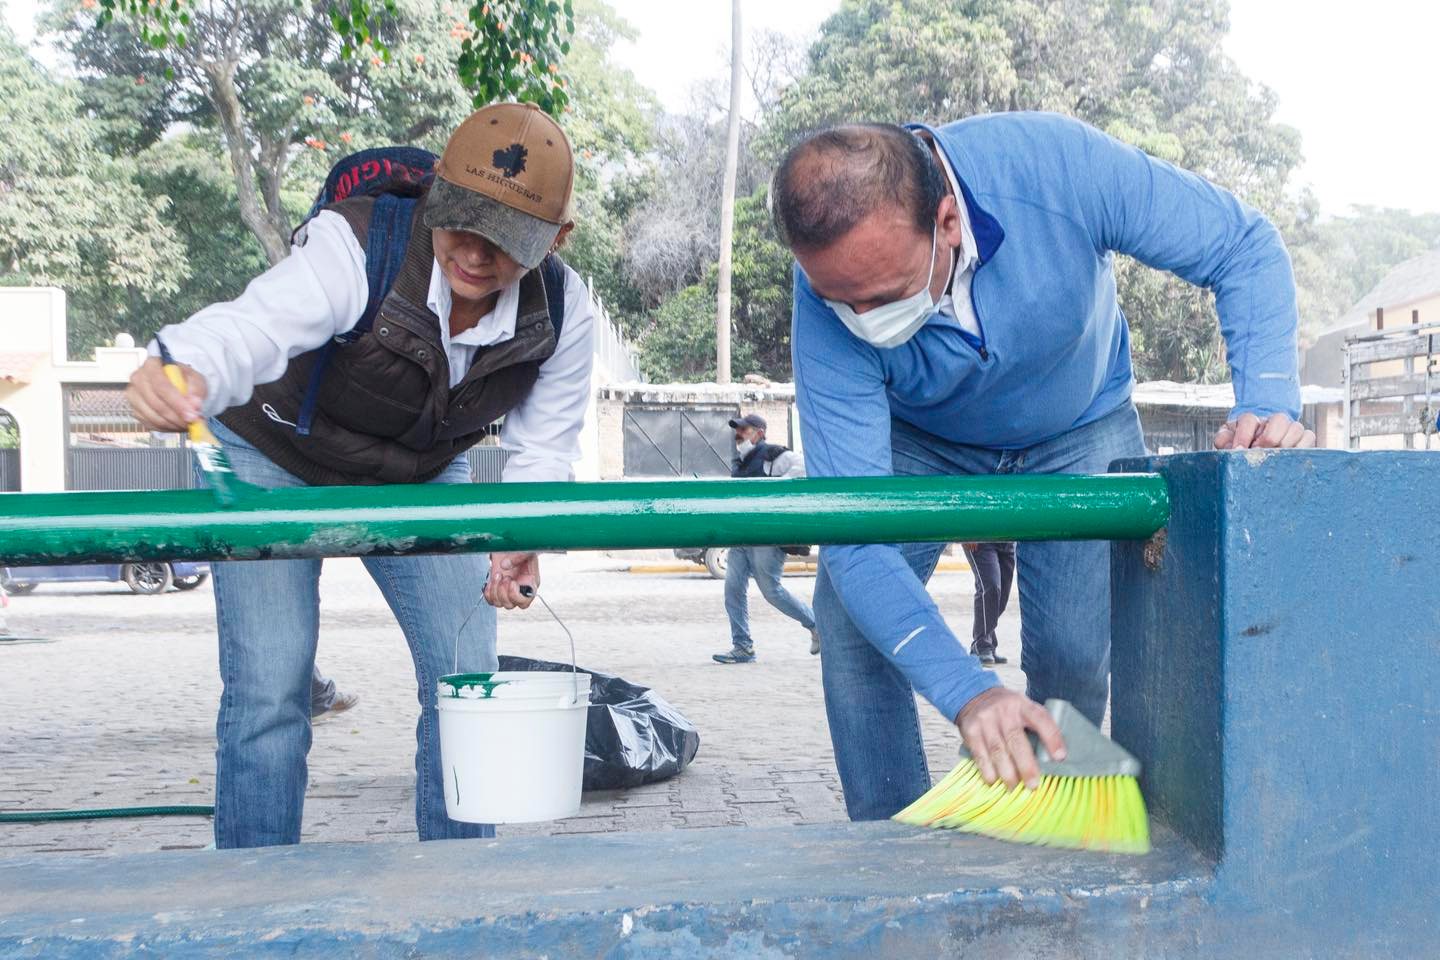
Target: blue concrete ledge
<point>875,890</point>
<point>1276,668</point>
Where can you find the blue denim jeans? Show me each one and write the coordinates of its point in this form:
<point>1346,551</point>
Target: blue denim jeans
<point>766,565</point>
<point>1064,627</point>
<point>268,613</point>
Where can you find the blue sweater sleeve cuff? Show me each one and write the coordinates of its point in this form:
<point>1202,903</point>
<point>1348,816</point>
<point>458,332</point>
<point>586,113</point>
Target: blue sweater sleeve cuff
<point>953,699</point>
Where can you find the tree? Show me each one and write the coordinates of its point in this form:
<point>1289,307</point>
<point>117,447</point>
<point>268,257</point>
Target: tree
<point>70,215</point>
<point>221,256</point>
<point>1153,74</point>
<point>1347,256</point>
<point>673,234</point>
<point>271,77</point>
<point>324,106</point>
<point>680,343</point>
<point>610,124</point>
<point>513,51</point>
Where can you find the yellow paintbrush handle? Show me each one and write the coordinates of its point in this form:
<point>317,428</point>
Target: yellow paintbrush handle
<point>199,433</point>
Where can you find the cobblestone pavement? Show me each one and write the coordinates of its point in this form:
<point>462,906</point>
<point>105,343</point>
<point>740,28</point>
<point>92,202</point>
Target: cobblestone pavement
<point>120,709</point>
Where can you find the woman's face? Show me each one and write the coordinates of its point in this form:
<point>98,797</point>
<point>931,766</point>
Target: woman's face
<point>475,267</point>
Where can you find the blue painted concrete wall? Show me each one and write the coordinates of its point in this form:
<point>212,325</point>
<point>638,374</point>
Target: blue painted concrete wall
<point>875,890</point>
<point>1278,673</point>
<point>1276,667</point>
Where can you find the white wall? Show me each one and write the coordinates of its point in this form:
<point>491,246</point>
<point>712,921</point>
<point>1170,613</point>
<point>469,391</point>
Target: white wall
<point>32,322</point>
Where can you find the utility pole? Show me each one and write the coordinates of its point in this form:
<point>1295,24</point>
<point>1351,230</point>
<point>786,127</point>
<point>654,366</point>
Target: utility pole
<point>727,202</point>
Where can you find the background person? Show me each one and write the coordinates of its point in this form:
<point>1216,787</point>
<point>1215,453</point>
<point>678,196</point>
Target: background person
<point>993,565</point>
<point>755,457</point>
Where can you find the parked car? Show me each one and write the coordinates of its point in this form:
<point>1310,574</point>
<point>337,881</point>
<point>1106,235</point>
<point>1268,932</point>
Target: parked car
<point>713,558</point>
<point>145,578</point>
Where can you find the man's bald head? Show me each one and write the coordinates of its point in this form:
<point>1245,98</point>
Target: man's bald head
<point>833,179</point>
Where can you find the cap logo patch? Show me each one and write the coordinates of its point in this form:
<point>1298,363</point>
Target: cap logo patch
<point>510,160</point>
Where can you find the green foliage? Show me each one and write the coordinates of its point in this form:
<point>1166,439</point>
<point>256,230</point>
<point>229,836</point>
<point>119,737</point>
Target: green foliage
<point>516,52</point>
<point>220,254</point>
<point>680,344</point>
<point>9,432</point>
<point>610,122</point>
<point>1347,256</point>
<point>760,292</point>
<point>270,80</point>
<point>508,49</point>
<point>71,216</point>
<point>1153,74</point>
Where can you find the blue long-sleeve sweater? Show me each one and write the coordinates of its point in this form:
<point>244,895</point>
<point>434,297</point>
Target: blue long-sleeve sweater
<point>1050,200</point>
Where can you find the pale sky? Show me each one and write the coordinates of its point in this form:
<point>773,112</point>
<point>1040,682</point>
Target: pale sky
<point>1357,81</point>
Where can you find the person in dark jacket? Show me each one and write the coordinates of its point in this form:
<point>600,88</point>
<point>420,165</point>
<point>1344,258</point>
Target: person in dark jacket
<point>993,565</point>
<point>756,458</point>
<point>465,336</point>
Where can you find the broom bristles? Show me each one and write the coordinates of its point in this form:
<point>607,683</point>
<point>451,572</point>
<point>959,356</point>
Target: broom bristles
<point>1078,813</point>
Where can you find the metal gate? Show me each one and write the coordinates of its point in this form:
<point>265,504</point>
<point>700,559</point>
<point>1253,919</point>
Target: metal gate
<point>1179,429</point>
<point>106,448</point>
<point>487,463</point>
<point>679,441</point>
<point>9,453</point>
<point>1392,386</point>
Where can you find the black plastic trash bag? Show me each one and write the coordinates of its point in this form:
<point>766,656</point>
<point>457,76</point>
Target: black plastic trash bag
<point>633,735</point>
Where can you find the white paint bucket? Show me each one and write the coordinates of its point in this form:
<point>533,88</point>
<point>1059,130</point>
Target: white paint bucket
<point>512,745</point>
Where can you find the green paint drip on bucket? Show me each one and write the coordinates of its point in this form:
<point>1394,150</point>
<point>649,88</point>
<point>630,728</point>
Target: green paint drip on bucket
<point>473,681</point>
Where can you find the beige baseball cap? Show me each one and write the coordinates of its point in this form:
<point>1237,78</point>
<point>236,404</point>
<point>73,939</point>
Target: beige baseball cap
<point>507,174</point>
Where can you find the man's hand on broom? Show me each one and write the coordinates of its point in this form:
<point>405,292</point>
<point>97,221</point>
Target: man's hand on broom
<point>508,573</point>
<point>993,725</point>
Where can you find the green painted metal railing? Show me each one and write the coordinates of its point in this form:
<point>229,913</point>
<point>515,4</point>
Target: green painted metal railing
<point>49,528</point>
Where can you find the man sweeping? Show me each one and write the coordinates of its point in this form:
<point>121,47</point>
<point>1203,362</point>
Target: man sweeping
<point>955,313</point>
<point>311,377</point>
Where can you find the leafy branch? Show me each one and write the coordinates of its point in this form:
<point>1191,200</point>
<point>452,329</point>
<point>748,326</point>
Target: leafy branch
<point>510,49</point>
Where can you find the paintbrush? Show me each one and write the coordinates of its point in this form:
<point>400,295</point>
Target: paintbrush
<point>208,453</point>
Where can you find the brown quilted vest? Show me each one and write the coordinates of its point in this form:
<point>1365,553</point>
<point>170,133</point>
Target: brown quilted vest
<point>386,411</point>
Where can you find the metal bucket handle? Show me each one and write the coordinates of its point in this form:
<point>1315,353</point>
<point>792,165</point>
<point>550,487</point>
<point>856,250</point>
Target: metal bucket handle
<point>528,591</point>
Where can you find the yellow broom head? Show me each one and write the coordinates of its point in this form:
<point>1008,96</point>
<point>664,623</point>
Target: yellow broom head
<point>1091,801</point>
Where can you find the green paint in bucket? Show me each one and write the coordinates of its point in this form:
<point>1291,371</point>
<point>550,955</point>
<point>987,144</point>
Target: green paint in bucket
<point>472,681</point>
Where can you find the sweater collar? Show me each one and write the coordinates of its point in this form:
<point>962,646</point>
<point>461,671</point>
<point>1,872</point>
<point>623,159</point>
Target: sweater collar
<point>988,232</point>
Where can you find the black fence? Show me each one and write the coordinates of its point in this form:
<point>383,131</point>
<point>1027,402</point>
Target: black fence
<point>9,470</point>
<point>486,463</point>
<point>1171,429</point>
<point>128,468</point>
<point>169,468</point>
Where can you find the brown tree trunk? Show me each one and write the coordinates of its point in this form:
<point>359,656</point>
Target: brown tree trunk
<point>254,211</point>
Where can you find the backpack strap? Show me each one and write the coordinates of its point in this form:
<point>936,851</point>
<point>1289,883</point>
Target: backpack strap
<point>552,271</point>
<point>386,243</point>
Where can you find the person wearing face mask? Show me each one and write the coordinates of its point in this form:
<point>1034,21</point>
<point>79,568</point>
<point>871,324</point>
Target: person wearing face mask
<point>482,322</point>
<point>955,312</point>
<point>757,458</point>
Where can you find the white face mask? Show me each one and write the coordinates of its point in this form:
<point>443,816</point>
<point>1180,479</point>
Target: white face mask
<point>893,323</point>
<point>743,448</point>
